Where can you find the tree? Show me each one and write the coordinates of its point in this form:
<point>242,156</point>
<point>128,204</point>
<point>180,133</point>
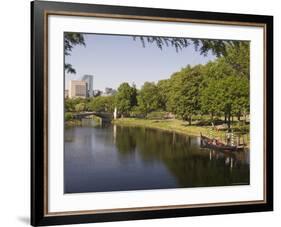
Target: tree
<point>125,98</point>
<point>164,88</point>
<point>71,39</point>
<point>80,107</point>
<point>102,104</point>
<point>229,95</point>
<point>217,47</point>
<point>239,59</point>
<point>184,98</point>
<point>241,94</point>
<point>134,93</point>
<point>69,105</point>
<point>149,99</point>
<point>211,88</point>
<point>225,86</point>
<point>211,98</point>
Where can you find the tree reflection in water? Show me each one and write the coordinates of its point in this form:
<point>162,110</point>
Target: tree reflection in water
<point>191,165</point>
<point>116,158</point>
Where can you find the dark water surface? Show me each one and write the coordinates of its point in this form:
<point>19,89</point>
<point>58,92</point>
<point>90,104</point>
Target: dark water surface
<point>117,158</point>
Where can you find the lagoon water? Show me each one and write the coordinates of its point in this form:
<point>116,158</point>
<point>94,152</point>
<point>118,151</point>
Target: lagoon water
<point>118,158</point>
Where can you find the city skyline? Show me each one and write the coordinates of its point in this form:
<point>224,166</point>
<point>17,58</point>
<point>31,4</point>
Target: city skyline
<point>129,61</point>
<point>84,88</point>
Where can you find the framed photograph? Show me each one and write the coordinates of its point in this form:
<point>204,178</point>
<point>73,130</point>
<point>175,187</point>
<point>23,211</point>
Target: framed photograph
<point>142,113</point>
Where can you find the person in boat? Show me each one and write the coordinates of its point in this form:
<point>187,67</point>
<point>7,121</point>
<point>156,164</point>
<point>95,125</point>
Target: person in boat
<point>217,143</point>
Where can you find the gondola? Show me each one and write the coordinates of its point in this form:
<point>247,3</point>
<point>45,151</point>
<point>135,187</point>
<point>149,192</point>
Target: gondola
<point>215,144</point>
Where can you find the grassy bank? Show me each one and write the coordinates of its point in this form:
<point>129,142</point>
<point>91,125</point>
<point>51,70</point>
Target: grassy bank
<point>168,125</point>
<point>178,126</point>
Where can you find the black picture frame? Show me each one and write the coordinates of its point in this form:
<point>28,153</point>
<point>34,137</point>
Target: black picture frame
<point>39,121</point>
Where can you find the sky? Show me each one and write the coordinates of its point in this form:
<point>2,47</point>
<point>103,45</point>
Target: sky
<point>114,59</point>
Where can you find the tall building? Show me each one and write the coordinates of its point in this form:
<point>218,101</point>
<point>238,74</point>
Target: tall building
<point>77,89</point>
<point>89,80</point>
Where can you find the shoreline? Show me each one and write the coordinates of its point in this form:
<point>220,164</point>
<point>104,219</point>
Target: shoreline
<point>177,126</point>
<point>169,125</point>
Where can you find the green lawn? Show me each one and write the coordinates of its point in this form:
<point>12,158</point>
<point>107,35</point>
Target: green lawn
<point>169,125</point>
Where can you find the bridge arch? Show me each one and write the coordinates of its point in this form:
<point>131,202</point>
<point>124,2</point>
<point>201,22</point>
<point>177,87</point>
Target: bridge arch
<point>105,116</point>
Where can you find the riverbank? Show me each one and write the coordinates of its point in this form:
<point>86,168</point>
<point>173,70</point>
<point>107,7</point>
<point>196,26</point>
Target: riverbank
<point>168,125</point>
<point>172,125</point>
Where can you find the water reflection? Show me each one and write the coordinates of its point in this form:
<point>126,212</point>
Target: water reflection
<point>110,158</point>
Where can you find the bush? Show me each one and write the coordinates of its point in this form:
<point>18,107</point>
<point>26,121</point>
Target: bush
<point>242,129</point>
<point>136,112</point>
<point>68,116</point>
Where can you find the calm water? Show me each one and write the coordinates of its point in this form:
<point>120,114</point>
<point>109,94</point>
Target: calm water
<point>115,158</point>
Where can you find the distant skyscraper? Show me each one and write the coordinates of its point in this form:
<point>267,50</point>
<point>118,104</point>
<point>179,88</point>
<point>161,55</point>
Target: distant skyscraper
<point>89,80</point>
<point>77,88</point>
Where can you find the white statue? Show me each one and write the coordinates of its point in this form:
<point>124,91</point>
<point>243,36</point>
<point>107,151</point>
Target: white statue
<point>115,113</point>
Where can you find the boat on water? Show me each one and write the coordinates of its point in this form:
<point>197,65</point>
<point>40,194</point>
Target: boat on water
<point>215,144</point>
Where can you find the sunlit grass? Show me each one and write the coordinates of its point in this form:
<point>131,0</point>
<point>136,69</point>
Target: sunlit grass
<point>174,125</point>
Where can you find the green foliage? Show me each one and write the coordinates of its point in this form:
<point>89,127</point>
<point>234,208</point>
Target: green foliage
<point>217,47</point>
<point>80,107</point>
<point>70,104</point>
<point>149,98</point>
<point>239,59</point>
<point>164,88</point>
<point>184,95</point>
<point>71,39</point>
<point>219,88</point>
<point>126,98</point>
<point>225,87</point>
<point>101,104</point>
<point>136,112</point>
<point>210,93</point>
<point>242,129</point>
<point>68,116</point>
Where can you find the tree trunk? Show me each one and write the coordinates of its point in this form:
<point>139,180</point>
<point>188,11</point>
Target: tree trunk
<point>225,118</point>
<point>190,120</point>
<point>229,121</point>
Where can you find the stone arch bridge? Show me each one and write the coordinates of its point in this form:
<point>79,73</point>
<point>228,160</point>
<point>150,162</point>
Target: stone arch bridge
<point>105,116</point>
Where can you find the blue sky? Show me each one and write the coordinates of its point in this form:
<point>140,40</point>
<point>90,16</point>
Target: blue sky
<point>113,59</point>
